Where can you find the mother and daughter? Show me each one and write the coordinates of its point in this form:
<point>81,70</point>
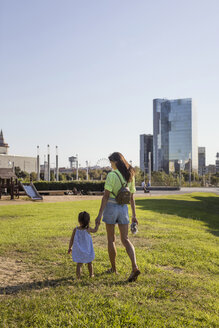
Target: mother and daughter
<point>113,213</point>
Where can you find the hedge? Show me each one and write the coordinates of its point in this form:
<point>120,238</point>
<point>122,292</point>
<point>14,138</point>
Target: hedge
<point>69,185</point>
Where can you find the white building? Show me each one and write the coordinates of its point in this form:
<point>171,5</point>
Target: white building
<point>28,164</point>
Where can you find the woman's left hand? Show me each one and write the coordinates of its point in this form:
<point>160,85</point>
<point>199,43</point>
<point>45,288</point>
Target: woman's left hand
<point>134,220</point>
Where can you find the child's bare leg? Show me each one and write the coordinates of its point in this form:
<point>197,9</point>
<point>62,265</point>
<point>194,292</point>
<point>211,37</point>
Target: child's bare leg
<point>91,269</point>
<point>78,270</point>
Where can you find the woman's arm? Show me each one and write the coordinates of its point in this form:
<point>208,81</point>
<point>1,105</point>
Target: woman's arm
<point>132,203</point>
<point>102,206</point>
<point>71,241</point>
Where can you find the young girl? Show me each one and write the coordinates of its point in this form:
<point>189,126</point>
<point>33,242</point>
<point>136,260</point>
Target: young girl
<point>82,251</point>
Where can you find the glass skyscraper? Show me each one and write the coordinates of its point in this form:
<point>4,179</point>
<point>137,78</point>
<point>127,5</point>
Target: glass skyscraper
<point>175,139</point>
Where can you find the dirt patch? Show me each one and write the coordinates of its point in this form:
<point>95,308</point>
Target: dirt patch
<point>13,272</point>
<point>168,268</point>
<point>46,199</point>
<point>16,276</point>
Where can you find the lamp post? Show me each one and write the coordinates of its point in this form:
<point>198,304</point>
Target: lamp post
<point>190,166</point>
<point>87,170</point>
<point>48,160</point>
<point>180,162</point>
<point>77,167</point>
<point>38,163</point>
<point>144,170</point>
<point>57,165</point>
<point>149,168</point>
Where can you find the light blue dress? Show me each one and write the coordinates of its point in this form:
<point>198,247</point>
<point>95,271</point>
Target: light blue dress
<point>82,250</point>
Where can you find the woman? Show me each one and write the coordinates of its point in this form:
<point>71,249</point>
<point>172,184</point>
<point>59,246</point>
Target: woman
<point>114,213</point>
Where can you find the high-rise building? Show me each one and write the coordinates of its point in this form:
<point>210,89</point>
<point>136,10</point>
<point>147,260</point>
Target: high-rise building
<point>201,160</point>
<point>175,139</point>
<point>146,147</point>
<point>210,169</point>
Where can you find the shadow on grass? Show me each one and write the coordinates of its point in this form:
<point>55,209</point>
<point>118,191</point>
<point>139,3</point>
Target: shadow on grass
<point>204,209</point>
<point>9,290</point>
<point>52,283</point>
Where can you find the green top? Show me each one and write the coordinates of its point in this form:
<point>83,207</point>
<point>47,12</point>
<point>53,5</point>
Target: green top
<point>113,183</point>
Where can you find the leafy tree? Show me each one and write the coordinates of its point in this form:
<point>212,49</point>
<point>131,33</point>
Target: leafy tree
<point>33,176</point>
<point>21,174</point>
<point>139,176</point>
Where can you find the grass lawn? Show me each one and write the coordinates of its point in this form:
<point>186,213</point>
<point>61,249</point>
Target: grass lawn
<point>177,253</point>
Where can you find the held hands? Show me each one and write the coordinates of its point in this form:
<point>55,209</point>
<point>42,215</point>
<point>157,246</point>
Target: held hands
<point>97,221</point>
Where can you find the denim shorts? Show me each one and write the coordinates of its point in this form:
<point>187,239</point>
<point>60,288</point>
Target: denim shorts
<point>115,213</point>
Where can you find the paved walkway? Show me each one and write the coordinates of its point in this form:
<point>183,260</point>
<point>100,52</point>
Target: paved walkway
<point>139,193</point>
<point>177,192</point>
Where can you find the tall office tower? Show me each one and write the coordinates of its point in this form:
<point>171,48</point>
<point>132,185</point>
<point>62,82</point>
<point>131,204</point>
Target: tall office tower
<point>201,160</point>
<point>146,146</point>
<point>175,140</point>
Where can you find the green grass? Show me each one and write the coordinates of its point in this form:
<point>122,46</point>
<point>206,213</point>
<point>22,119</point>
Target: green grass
<point>177,253</point>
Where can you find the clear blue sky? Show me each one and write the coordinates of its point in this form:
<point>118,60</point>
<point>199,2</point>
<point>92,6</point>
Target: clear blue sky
<point>82,74</point>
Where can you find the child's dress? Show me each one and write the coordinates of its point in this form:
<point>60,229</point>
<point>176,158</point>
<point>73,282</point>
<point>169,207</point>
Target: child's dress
<point>82,250</point>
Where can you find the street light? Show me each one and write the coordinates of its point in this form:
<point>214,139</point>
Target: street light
<point>144,170</point>
<point>57,164</point>
<point>190,166</point>
<point>48,162</point>
<point>87,168</point>
<point>77,167</point>
<point>149,168</point>
<point>38,163</point>
<point>180,162</point>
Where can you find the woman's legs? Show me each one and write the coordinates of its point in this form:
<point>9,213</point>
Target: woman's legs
<point>110,229</point>
<point>78,270</point>
<point>123,228</point>
<point>90,269</point>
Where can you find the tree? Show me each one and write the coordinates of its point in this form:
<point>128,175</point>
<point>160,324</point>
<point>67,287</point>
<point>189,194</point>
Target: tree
<point>21,174</point>
<point>139,176</point>
<point>33,176</point>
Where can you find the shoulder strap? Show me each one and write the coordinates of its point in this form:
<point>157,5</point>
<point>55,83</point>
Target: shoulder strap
<point>120,179</point>
<point>120,182</point>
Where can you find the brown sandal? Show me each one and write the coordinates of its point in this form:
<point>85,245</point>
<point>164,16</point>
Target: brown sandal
<point>133,276</point>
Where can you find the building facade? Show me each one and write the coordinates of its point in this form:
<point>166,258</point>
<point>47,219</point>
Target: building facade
<point>27,164</point>
<point>217,163</point>
<point>201,160</point>
<point>3,146</point>
<point>175,135</point>
<point>146,147</point>
<point>210,169</point>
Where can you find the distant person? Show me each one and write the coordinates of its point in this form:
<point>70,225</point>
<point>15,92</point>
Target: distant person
<point>143,184</point>
<point>82,250</point>
<point>114,213</point>
<point>75,191</point>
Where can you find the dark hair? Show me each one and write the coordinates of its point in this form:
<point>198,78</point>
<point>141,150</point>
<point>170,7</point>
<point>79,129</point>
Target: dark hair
<point>84,219</point>
<point>123,166</point>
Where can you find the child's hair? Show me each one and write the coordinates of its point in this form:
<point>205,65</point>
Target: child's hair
<point>84,219</point>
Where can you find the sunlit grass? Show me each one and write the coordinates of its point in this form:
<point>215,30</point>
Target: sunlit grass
<point>176,250</point>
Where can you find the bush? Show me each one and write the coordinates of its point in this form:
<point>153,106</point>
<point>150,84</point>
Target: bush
<point>69,185</point>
